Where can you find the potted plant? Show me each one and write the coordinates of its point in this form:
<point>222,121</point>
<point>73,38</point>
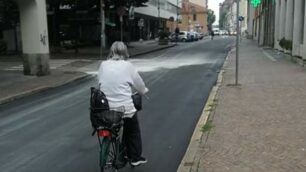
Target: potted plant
<point>3,47</point>
<point>285,44</point>
<point>163,38</point>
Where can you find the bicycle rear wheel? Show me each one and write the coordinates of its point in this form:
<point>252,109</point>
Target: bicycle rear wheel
<point>107,155</point>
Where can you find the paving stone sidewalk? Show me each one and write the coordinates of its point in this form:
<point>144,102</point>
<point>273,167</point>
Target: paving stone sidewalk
<point>259,126</point>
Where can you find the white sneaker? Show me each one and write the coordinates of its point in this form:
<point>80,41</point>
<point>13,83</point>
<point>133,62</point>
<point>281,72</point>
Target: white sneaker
<point>139,161</point>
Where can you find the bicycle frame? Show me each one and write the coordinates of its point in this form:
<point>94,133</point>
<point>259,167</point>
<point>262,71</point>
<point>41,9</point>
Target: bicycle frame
<point>110,142</point>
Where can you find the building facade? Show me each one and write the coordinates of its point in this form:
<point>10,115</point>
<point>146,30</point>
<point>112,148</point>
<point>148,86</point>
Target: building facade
<point>228,15</point>
<point>203,3</point>
<point>47,21</point>
<point>158,15</point>
<point>279,22</point>
<point>290,20</point>
<point>193,17</point>
<point>261,22</point>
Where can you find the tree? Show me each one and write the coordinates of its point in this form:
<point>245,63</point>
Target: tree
<point>93,5</point>
<point>9,15</point>
<point>211,18</point>
<point>222,21</point>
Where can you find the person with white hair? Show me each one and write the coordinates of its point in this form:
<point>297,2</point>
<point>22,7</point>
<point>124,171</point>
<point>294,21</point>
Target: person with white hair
<point>117,77</point>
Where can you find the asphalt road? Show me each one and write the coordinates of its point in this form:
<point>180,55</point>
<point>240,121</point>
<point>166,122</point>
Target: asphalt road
<point>51,131</point>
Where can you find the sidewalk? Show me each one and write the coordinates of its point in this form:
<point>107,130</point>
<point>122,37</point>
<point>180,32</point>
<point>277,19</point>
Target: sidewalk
<point>257,126</point>
<point>65,68</point>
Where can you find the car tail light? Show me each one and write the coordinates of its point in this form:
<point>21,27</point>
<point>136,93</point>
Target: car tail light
<point>104,133</point>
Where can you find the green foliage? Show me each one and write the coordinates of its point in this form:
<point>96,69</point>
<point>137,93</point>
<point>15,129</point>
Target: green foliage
<point>285,44</point>
<point>222,20</point>
<point>211,17</point>
<point>208,126</point>
<point>9,15</point>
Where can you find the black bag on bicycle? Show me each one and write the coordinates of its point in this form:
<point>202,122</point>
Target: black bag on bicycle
<point>110,119</point>
<point>137,100</point>
<point>98,104</point>
<point>98,100</point>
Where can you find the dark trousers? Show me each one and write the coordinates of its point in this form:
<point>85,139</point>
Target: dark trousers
<point>132,137</point>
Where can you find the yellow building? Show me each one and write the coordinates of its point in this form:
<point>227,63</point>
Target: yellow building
<point>193,17</point>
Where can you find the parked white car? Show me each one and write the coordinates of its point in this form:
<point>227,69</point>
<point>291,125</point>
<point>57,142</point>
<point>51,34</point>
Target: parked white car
<point>183,36</point>
<point>194,36</point>
<point>216,31</point>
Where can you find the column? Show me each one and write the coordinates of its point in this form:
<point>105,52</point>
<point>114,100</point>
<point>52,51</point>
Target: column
<point>276,32</point>
<point>297,27</point>
<point>289,20</point>
<point>251,12</point>
<point>34,34</point>
<point>282,19</point>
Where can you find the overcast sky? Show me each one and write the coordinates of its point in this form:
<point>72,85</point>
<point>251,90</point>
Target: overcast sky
<point>214,5</point>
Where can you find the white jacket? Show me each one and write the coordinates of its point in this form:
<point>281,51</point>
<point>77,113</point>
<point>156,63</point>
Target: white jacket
<point>116,77</point>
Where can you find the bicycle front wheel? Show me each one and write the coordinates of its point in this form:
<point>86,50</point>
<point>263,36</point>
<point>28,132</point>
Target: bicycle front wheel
<point>107,155</point>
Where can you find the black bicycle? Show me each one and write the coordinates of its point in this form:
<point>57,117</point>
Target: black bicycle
<point>112,150</point>
<point>108,124</point>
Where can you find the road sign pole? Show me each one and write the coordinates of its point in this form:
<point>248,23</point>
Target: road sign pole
<point>237,44</point>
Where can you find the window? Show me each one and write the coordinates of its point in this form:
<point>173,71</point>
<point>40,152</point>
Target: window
<point>194,17</point>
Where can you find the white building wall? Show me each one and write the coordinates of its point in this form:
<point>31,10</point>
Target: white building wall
<point>152,9</point>
<point>303,52</point>
<point>289,19</point>
<point>298,28</point>
<point>276,24</point>
<point>250,19</point>
<point>231,16</point>
<point>243,11</point>
<point>290,23</point>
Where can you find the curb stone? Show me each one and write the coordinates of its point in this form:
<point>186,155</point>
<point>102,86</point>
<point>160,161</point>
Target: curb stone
<point>42,88</point>
<point>190,160</point>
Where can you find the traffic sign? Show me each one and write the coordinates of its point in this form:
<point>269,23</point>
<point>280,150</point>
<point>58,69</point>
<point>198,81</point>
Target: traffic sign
<point>141,22</point>
<point>240,18</point>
